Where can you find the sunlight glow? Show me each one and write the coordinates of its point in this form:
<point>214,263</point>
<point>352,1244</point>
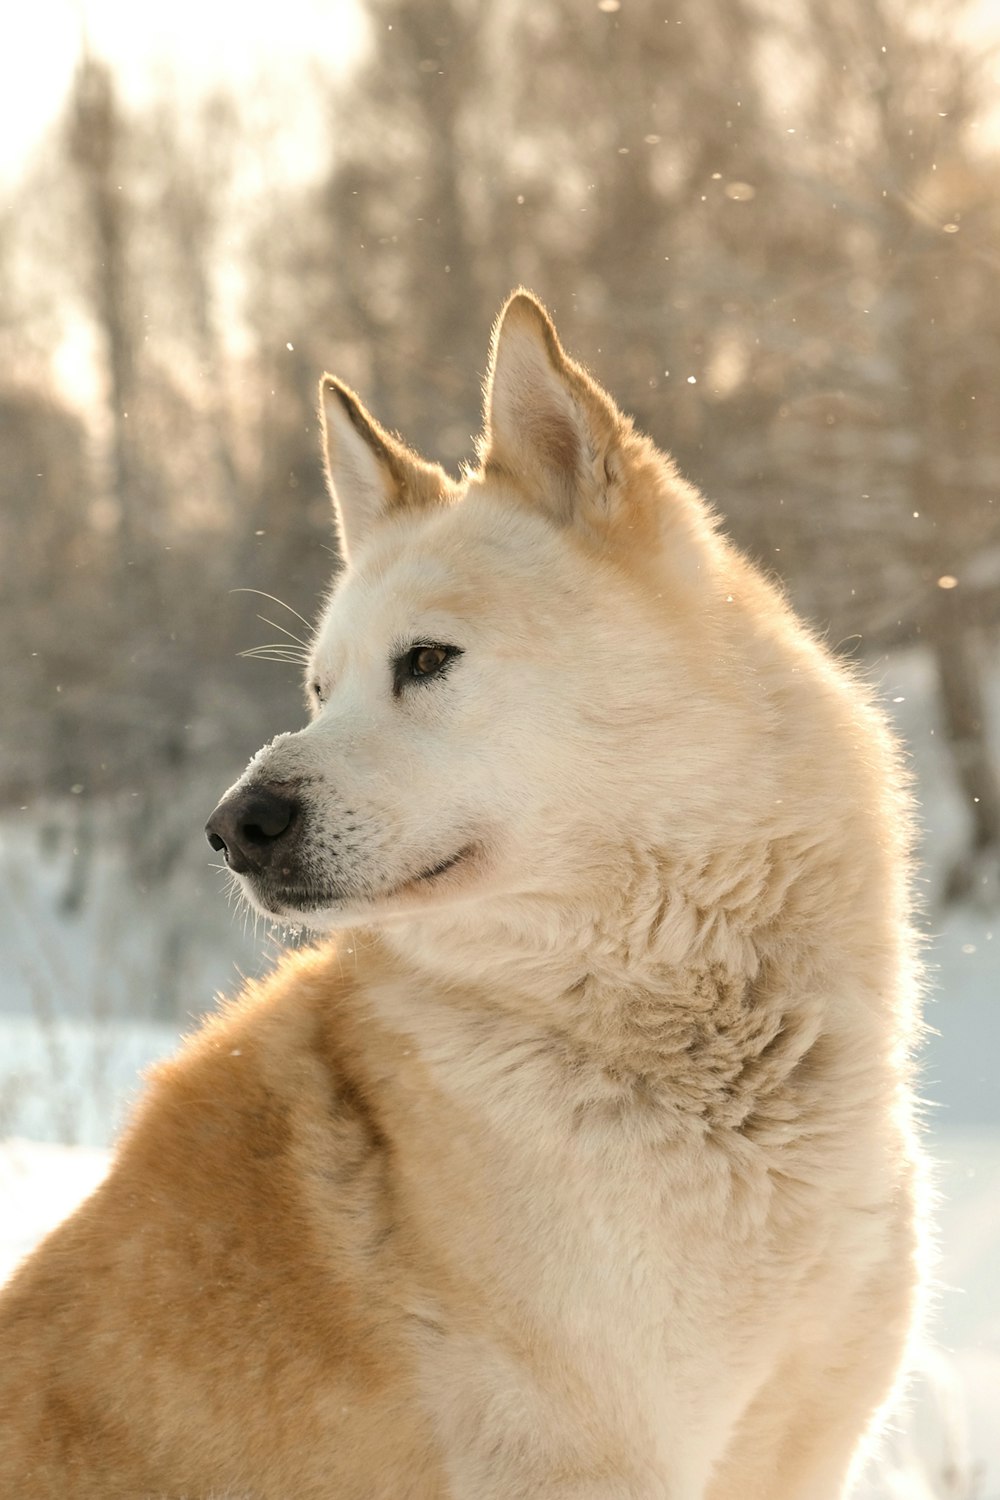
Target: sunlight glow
<point>189,46</point>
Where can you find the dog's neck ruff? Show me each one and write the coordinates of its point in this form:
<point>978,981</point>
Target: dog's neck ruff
<point>680,1008</point>
<point>666,916</point>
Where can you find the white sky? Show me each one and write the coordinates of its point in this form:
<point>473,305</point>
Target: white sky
<point>192,43</point>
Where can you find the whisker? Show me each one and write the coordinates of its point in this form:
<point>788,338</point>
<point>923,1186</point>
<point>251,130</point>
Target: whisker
<point>274,598</point>
<point>267,656</point>
<point>277,646</point>
<point>297,639</point>
<point>288,661</point>
<point>276,651</point>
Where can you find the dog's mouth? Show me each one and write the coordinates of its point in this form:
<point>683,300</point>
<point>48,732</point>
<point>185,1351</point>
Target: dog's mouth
<point>426,877</point>
<point>290,900</point>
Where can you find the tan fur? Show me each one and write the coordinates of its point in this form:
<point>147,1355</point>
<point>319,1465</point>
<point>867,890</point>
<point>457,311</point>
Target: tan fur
<point>582,1167</point>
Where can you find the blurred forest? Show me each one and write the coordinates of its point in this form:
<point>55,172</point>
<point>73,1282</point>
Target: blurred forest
<point>772,229</point>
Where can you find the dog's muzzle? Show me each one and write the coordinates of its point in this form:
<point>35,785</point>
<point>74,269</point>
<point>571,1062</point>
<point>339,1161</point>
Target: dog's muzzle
<point>254,827</point>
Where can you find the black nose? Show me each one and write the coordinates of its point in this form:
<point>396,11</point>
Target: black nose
<point>250,825</point>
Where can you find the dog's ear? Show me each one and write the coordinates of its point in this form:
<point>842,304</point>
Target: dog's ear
<point>371,473</point>
<point>548,426</point>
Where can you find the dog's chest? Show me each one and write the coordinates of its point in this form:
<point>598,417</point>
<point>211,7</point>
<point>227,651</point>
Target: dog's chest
<point>574,1204</point>
<point>577,1254</point>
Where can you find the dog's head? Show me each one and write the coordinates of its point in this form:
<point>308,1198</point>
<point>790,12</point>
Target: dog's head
<point>514,673</point>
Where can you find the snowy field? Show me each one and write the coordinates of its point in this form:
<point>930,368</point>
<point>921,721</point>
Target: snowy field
<point>101,976</point>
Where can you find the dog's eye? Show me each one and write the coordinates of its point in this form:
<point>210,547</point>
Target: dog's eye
<point>421,662</point>
<point>424,661</point>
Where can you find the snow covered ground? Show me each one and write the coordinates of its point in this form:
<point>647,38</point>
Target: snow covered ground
<point>40,1185</point>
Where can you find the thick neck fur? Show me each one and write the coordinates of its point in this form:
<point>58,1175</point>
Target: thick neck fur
<point>698,992</point>
<point>641,914</point>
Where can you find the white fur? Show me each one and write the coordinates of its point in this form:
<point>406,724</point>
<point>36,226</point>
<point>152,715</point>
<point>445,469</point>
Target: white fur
<point>665,1005</point>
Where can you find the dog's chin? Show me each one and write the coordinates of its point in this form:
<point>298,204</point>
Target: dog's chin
<point>326,910</point>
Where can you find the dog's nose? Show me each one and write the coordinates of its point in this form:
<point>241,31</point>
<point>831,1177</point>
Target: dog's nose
<point>249,825</point>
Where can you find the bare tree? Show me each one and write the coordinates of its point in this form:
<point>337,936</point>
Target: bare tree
<point>95,144</point>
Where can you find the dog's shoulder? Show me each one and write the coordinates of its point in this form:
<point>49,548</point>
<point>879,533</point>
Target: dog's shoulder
<point>269,1087</point>
<point>259,1119</point>
<point>253,1054</point>
<point>239,1259</point>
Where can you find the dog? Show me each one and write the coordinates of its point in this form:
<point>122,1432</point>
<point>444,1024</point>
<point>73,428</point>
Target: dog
<point>581,1163</point>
